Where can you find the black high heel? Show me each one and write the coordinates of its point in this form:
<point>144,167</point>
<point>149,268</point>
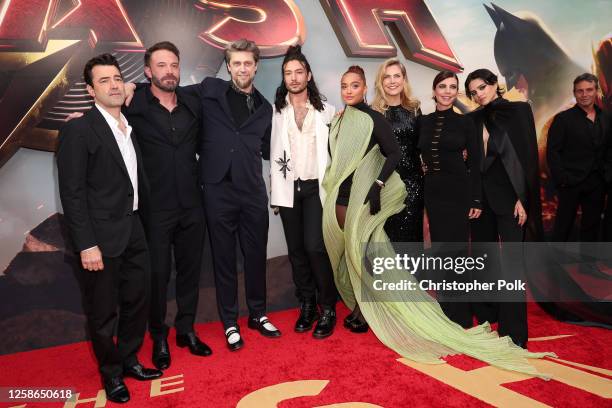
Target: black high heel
<point>355,322</point>
<point>359,325</point>
<point>351,317</point>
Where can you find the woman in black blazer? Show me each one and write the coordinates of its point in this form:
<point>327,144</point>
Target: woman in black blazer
<point>511,208</point>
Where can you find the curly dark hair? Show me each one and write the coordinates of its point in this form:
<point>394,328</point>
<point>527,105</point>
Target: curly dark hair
<point>294,53</point>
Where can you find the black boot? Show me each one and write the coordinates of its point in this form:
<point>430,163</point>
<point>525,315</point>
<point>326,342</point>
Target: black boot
<point>308,314</point>
<point>325,325</point>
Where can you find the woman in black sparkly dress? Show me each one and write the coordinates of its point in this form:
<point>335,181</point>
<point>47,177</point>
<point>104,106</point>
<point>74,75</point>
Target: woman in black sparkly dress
<point>394,100</point>
<point>452,184</point>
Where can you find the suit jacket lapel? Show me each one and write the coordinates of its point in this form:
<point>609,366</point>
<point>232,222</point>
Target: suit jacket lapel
<point>190,102</point>
<point>143,181</point>
<point>222,98</point>
<point>479,124</point>
<point>105,134</point>
<point>260,111</point>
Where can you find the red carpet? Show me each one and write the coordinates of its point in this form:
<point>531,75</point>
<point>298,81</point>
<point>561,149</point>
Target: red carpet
<point>349,368</point>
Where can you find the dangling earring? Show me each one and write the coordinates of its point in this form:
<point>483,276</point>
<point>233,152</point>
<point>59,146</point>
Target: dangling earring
<point>365,99</point>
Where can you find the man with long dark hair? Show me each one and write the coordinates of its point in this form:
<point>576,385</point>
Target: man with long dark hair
<point>298,158</point>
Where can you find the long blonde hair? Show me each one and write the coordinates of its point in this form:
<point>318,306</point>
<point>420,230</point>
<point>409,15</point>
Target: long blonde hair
<point>381,104</point>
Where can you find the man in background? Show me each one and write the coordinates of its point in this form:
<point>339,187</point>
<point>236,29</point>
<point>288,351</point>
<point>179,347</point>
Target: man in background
<point>578,140</point>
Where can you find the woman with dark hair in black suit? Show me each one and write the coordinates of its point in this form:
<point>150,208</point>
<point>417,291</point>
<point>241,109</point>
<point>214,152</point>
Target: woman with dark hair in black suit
<point>452,184</point>
<point>511,190</point>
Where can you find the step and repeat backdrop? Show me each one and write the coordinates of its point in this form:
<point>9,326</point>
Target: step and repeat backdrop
<point>536,47</point>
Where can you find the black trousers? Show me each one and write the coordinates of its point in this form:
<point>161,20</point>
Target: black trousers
<point>181,230</point>
<point>235,211</point>
<point>589,195</point>
<point>302,224</point>
<point>123,284</point>
<point>447,202</point>
<point>608,215</point>
<point>492,228</point>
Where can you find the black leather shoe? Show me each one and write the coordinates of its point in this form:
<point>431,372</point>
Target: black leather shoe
<point>308,315</point>
<point>196,346</point>
<point>256,324</point>
<point>141,373</point>
<point>237,345</point>
<point>325,325</point>
<point>161,354</point>
<point>116,391</point>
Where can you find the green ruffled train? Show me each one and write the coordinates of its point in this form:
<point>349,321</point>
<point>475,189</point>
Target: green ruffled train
<point>412,323</point>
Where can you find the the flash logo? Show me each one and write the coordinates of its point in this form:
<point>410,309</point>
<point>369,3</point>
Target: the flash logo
<point>361,28</point>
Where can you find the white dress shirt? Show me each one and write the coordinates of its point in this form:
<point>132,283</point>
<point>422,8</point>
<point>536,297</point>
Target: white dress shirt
<point>303,144</point>
<point>126,147</point>
<point>282,167</point>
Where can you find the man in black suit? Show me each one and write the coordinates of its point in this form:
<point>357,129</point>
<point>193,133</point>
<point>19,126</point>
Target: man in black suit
<point>167,123</point>
<point>102,186</point>
<point>235,136</point>
<point>578,140</point>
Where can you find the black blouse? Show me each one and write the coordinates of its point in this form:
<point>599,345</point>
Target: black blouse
<point>382,134</point>
<point>443,136</point>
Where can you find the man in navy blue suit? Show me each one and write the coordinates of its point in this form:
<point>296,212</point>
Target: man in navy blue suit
<point>235,137</point>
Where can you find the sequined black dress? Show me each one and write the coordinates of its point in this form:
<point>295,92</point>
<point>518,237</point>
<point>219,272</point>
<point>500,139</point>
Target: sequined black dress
<point>407,226</point>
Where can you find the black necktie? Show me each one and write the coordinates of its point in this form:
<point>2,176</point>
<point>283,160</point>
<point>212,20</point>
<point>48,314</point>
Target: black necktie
<point>250,100</point>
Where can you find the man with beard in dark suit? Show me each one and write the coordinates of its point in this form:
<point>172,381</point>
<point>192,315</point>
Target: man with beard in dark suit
<point>167,123</point>
<point>235,137</point>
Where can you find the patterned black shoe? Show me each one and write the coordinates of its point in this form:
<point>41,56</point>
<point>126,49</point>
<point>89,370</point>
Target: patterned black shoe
<point>263,326</point>
<point>233,338</point>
